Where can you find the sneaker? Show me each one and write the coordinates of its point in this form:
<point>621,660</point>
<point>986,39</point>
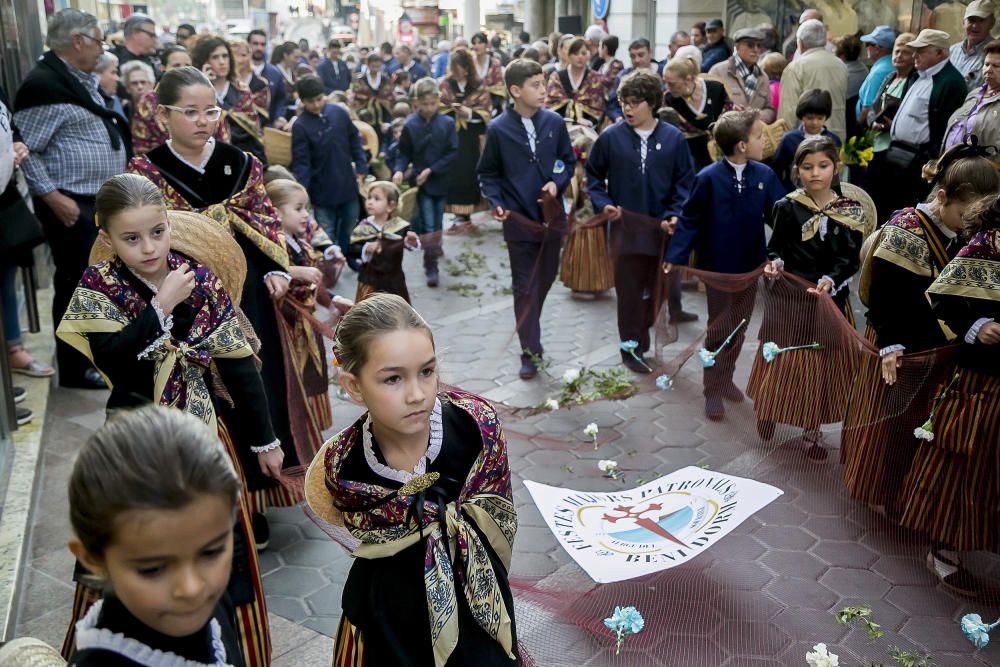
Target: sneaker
<point>682,317</point>
<point>19,394</point>
<point>714,409</point>
<point>433,279</point>
<point>733,394</point>
<point>23,415</point>
<point>528,369</point>
<point>261,531</point>
<point>952,575</point>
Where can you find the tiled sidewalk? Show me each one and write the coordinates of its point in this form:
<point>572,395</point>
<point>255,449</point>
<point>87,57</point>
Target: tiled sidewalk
<point>763,595</point>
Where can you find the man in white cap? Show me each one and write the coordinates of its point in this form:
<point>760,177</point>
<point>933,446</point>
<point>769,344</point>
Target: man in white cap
<point>967,55</point>
<point>919,126</point>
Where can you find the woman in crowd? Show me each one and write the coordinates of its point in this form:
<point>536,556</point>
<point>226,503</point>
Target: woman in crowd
<point>978,115</point>
<point>465,98</point>
<point>577,93</point>
<point>195,172</point>
<point>258,86</point>
<point>212,56</point>
<point>106,70</point>
<point>612,66</point>
<point>286,58</point>
<point>138,78</point>
<point>698,103</point>
<point>489,70</point>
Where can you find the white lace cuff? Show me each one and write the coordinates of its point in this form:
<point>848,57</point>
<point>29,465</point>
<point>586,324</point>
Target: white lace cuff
<point>332,252</point>
<point>166,324</point>
<point>973,332</point>
<point>263,449</point>
<point>282,274</point>
<point>834,287</point>
<point>418,246</point>
<point>890,349</point>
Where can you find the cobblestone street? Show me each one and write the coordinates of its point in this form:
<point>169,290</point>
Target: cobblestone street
<point>764,595</point>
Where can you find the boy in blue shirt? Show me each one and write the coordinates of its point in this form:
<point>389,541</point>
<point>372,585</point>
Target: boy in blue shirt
<point>528,155</point>
<point>325,143</point>
<point>723,220</point>
<point>813,110</point>
<point>640,166</point>
<point>428,143</point>
<point>334,72</point>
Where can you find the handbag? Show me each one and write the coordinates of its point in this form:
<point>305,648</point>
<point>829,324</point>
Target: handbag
<point>903,156</point>
<point>20,230</point>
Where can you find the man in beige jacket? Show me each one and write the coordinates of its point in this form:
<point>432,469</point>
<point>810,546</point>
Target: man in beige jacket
<point>815,68</point>
<point>748,87</point>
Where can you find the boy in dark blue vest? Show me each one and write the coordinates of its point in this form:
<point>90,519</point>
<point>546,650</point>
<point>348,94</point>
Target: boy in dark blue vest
<point>428,143</point>
<point>723,220</point>
<point>528,159</point>
<point>328,160</point>
<point>640,166</point>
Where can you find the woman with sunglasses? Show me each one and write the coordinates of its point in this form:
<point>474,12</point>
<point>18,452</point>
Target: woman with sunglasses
<point>197,173</point>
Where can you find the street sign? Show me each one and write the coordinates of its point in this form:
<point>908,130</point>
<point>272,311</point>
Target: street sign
<point>600,8</point>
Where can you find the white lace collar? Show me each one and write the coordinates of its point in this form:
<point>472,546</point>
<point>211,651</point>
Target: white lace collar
<point>89,636</point>
<point>483,69</point>
<point>433,449</point>
<point>377,83</point>
<point>293,242</point>
<point>206,155</point>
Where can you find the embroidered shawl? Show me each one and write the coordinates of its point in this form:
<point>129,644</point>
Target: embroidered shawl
<point>248,212</point>
<point>492,81</point>
<point>366,231</point>
<point>243,112</point>
<point>843,210</point>
<point>106,302</point>
<point>585,103</point>
<point>379,102</point>
<point>975,271</point>
<point>908,242</point>
<point>388,521</point>
<point>478,100</point>
<point>149,131</point>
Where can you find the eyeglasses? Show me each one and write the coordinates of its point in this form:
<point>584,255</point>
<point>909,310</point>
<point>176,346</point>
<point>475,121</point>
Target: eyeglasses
<point>149,32</point>
<point>210,114</point>
<point>93,39</point>
<point>631,104</point>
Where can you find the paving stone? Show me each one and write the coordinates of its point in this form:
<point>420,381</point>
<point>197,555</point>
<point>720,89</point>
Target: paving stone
<point>740,575</point>
<point>311,553</point>
<point>751,639</point>
<point>833,528</point>
<point>290,608</point>
<point>290,581</point>
<point>811,625</point>
<point>904,570</point>
<point>847,582</point>
<point>925,600</point>
<point>845,554</point>
<point>782,537</point>
<point>794,564</point>
<point>801,593</point>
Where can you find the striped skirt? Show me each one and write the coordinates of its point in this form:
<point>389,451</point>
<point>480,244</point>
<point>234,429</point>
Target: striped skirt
<point>349,647</point>
<point>803,388</point>
<point>252,626</point>
<point>952,491</point>
<point>586,265</point>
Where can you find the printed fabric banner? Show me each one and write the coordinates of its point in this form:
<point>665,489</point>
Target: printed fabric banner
<point>663,523</point>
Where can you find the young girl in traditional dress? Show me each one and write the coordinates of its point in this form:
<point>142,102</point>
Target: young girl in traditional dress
<point>245,77</point>
<point>303,342</point>
<point>151,502</point>
<point>212,56</point>
<point>952,492</point>
<point>372,91</point>
<point>907,254</point>
<point>420,468</point>
<point>489,70</point>
<point>465,98</point>
<point>161,328</point>
<point>196,173</point>
<point>577,93</point>
<point>378,242</point>
<point>817,237</point>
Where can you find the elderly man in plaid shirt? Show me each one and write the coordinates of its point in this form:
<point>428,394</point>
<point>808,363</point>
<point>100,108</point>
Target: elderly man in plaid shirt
<point>76,142</point>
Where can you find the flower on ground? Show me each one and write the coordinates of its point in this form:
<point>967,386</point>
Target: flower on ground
<point>571,375</point>
<point>552,404</point>
<point>609,468</point>
<point>976,631</point>
<point>625,621</point>
<point>924,431</point>
<point>820,657</point>
<point>664,382</point>
<point>770,351</point>
<point>707,358</point>
<point>591,432</point>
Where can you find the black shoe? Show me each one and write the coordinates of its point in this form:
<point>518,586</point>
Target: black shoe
<point>23,416</point>
<point>91,379</point>
<point>682,317</point>
<point>733,394</point>
<point>261,531</point>
<point>961,582</point>
<point>19,394</point>
<point>432,278</point>
<point>635,365</point>
<point>765,429</point>
<point>528,369</point>
<point>714,409</point>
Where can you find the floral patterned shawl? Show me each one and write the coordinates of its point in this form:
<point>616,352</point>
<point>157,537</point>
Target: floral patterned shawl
<point>492,78</point>
<point>106,302</point>
<point>379,101</point>
<point>478,100</point>
<point>585,103</point>
<point>386,523</point>
<point>843,210</point>
<point>975,271</point>
<point>149,132</point>
<point>248,212</point>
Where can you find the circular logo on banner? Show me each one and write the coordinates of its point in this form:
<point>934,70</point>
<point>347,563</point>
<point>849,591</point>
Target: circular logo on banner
<point>600,8</point>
